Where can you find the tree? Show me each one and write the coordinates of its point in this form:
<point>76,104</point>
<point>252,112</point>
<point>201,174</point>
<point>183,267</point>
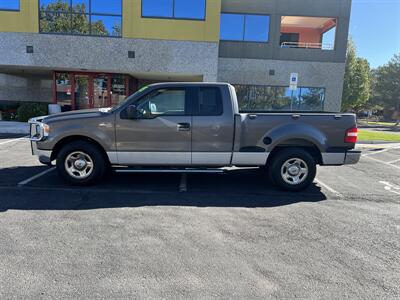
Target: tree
<point>386,89</point>
<point>356,86</point>
<point>56,17</point>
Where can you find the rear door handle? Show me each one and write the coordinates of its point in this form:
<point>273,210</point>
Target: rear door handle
<point>183,126</point>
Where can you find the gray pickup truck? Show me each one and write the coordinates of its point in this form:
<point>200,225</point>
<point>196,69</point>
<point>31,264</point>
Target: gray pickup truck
<point>193,127</point>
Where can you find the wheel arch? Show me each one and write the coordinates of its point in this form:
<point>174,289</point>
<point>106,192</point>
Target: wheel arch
<point>299,143</point>
<point>73,138</point>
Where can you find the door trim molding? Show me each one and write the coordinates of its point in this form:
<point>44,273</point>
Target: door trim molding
<point>188,158</point>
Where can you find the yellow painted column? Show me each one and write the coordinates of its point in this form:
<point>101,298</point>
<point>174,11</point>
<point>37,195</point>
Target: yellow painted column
<point>24,20</point>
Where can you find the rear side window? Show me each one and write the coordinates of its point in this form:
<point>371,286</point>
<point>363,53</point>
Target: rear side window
<point>209,102</point>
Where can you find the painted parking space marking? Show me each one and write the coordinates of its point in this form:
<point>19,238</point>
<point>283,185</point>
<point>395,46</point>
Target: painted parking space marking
<point>390,187</point>
<point>382,162</point>
<point>14,140</point>
<point>327,187</point>
<point>34,177</point>
<point>381,151</point>
<point>394,161</point>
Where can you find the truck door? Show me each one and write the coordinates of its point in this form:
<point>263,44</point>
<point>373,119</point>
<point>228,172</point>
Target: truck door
<point>213,126</point>
<point>160,134</point>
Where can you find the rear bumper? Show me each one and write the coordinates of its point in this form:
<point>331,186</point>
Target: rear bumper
<point>347,157</point>
<point>352,157</point>
<point>44,155</point>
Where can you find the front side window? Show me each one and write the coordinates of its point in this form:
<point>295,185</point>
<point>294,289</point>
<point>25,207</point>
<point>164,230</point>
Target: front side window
<point>9,4</point>
<point>174,9</point>
<point>81,17</point>
<point>167,102</point>
<point>244,27</point>
<point>279,98</point>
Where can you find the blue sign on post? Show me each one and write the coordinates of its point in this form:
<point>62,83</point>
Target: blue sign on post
<point>294,77</point>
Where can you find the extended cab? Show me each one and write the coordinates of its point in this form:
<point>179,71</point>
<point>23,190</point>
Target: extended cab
<point>196,126</point>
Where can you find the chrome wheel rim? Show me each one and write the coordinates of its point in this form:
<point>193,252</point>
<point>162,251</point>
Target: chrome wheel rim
<point>294,171</point>
<point>79,165</point>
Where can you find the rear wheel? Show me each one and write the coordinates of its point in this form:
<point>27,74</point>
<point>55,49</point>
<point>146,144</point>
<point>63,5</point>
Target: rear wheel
<point>81,163</point>
<point>292,169</point>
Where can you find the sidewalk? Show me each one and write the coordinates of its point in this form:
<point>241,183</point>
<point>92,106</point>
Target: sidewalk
<point>14,127</point>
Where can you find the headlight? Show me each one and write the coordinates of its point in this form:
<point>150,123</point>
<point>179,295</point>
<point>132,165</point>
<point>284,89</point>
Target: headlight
<point>46,129</point>
<point>39,130</point>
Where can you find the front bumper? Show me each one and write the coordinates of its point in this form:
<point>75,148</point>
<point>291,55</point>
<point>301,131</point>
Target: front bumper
<point>44,155</point>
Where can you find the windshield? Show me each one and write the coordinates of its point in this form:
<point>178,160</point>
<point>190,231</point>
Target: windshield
<point>128,99</point>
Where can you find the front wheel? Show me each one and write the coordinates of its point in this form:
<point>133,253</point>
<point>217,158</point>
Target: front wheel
<point>81,163</point>
<point>293,169</point>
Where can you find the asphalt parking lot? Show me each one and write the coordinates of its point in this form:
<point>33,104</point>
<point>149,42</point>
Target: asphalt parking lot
<point>226,236</point>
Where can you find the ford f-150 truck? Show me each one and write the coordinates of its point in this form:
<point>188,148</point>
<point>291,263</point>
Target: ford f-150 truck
<point>193,126</point>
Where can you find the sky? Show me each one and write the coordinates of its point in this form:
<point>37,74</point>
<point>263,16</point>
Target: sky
<point>375,28</point>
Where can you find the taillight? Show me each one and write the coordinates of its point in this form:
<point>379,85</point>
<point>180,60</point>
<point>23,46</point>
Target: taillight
<point>351,135</point>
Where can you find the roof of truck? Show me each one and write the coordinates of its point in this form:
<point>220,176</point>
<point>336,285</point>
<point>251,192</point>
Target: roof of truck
<point>172,84</point>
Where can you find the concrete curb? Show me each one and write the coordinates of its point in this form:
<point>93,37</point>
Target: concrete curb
<point>375,142</point>
<point>14,127</point>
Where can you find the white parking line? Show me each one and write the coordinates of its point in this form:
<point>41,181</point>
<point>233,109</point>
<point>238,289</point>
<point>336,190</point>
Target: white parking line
<point>393,161</point>
<point>382,162</point>
<point>380,151</point>
<point>332,190</point>
<point>391,187</point>
<point>26,181</point>
<point>14,140</point>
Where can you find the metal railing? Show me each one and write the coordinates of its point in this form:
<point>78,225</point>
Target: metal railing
<point>305,45</point>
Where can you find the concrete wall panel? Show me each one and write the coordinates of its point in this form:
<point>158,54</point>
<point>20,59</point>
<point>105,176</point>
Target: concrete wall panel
<point>59,52</point>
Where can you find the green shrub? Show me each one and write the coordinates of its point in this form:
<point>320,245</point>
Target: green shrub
<point>9,111</point>
<point>29,110</point>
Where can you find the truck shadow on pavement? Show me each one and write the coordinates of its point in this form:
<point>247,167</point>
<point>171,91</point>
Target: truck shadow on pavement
<point>235,189</point>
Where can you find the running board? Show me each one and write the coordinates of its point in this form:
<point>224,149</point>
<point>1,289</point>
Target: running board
<point>133,170</point>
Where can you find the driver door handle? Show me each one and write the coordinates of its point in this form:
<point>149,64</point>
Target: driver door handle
<point>183,127</point>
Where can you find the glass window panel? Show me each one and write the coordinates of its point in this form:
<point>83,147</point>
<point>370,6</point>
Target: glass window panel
<point>55,22</point>
<point>256,28</point>
<point>63,91</point>
<point>311,99</point>
<point>55,5</point>
<point>80,24</point>
<point>282,99</point>
<point>118,92</point>
<point>106,25</point>
<point>82,99</point>
<point>194,9</point>
<point>163,102</point>
<point>9,4</point>
<point>106,7</point>
<point>210,102</point>
<point>157,8</point>
<point>100,93</point>
<point>232,26</point>
<point>80,6</point>
<point>270,98</point>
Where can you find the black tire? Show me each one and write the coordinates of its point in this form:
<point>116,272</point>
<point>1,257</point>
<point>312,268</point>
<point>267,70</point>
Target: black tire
<point>90,152</point>
<point>294,156</point>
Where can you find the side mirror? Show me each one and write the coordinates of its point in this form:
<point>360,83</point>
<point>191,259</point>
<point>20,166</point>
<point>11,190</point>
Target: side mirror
<point>132,112</point>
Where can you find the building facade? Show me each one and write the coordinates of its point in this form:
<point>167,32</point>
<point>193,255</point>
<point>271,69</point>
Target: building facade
<point>93,53</point>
